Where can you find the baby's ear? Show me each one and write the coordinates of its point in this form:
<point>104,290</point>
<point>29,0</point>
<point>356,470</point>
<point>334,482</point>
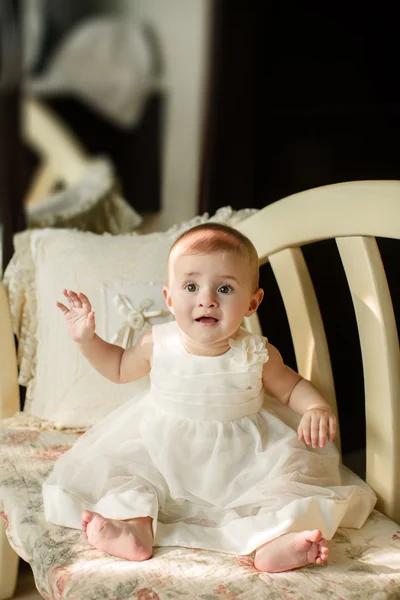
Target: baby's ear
<point>167,298</point>
<point>255,302</point>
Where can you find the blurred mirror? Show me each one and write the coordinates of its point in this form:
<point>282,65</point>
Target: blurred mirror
<point>122,81</point>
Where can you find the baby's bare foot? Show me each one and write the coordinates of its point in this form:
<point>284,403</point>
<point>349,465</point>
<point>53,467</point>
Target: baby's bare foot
<point>131,539</point>
<point>292,551</point>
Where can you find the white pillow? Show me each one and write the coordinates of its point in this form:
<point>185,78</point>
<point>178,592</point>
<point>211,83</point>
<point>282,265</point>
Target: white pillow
<point>119,274</point>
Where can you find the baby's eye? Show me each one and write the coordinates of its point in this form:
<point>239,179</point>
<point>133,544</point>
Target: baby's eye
<point>225,289</point>
<point>190,287</point>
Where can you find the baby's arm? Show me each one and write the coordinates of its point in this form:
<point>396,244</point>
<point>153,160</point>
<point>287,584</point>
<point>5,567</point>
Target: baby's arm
<point>318,422</point>
<point>113,362</point>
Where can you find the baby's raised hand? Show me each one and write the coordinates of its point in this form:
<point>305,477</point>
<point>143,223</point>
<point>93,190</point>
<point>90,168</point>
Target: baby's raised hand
<point>316,426</point>
<point>79,317</point>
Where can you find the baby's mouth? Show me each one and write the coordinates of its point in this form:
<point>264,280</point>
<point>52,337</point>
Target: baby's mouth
<point>207,320</point>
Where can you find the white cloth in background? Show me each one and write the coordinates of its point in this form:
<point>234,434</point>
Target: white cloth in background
<point>106,62</point>
<point>200,454</point>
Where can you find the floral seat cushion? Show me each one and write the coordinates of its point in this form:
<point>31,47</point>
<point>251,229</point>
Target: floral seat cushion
<point>363,563</point>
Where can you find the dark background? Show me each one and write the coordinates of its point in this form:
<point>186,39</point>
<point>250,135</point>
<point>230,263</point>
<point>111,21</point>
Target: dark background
<point>302,96</point>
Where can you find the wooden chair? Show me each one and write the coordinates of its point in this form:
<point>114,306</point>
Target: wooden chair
<point>354,214</point>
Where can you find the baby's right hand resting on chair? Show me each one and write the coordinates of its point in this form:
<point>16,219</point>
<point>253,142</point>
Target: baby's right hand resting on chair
<point>317,425</point>
<point>79,317</point>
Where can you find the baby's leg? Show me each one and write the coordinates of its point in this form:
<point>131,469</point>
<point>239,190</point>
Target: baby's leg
<point>291,551</point>
<point>131,539</point>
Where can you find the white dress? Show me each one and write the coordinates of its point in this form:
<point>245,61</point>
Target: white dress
<point>202,452</point>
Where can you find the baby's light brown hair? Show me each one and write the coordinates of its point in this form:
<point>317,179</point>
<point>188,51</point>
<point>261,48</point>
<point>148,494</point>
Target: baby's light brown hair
<point>215,237</point>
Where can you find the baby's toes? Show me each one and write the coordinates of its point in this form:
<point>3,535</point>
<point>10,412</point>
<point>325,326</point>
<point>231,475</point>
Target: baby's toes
<point>95,523</point>
<point>84,528</point>
<point>313,553</point>
<point>96,526</point>
<point>323,552</point>
<point>87,516</point>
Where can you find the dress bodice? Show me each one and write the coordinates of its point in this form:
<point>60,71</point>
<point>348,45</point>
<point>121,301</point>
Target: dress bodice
<point>224,387</point>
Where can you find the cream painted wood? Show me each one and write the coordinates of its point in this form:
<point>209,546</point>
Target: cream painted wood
<point>62,155</point>
<point>381,362</point>
<point>305,322</point>
<point>9,390</point>
<point>8,566</point>
<point>351,208</point>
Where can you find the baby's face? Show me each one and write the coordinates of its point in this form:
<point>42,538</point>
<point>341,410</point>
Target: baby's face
<point>209,294</point>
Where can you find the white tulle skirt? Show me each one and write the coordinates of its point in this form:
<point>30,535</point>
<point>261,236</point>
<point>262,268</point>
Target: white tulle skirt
<point>228,486</point>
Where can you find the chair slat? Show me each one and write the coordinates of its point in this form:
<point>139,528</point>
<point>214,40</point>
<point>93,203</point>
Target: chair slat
<point>381,363</point>
<point>305,321</point>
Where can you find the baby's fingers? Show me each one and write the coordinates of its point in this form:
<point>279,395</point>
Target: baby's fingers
<point>300,432</point>
<point>85,301</point>
<point>332,428</point>
<point>323,431</point>
<point>314,429</point>
<point>63,308</point>
<point>73,298</point>
<point>304,430</point>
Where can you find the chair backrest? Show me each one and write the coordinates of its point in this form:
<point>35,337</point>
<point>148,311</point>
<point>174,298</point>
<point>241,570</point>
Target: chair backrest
<point>354,214</point>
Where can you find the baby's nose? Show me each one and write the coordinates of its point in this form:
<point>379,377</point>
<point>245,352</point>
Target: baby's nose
<point>208,300</point>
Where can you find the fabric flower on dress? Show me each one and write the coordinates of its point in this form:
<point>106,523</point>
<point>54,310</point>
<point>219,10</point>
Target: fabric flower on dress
<point>249,353</point>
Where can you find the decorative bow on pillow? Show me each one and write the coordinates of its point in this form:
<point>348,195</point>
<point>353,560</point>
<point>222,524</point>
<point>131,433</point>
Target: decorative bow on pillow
<point>134,319</point>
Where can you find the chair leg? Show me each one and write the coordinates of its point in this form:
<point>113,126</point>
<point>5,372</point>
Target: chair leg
<point>8,566</point>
